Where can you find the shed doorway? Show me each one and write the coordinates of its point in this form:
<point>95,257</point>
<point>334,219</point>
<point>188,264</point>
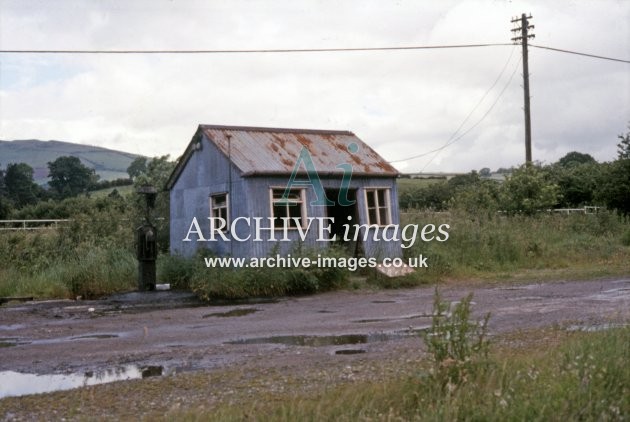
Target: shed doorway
<point>343,215</point>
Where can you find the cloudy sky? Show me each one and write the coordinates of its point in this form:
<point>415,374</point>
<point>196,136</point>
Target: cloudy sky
<point>402,103</point>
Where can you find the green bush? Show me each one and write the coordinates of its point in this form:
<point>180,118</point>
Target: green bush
<point>237,283</point>
<point>175,270</point>
<point>458,345</point>
<point>89,256</point>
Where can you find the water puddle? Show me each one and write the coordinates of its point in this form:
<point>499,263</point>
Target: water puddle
<point>10,342</point>
<point>349,351</point>
<point>322,341</point>
<point>400,318</point>
<point>95,336</point>
<point>516,299</point>
<point>19,384</point>
<point>246,301</point>
<point>595,327</point>
<point>232,313</point>
<point>11,327</point>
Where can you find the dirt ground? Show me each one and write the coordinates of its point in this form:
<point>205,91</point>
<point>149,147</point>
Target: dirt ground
<point>220,354</point>
<point>179,333</point>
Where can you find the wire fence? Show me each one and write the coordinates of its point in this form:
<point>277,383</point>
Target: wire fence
<point>44,224</point>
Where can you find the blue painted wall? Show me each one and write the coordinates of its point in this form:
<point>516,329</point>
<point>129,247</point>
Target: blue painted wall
<point>206,173</point>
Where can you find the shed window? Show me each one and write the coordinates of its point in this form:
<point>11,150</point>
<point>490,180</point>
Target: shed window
<point>219,208</point>
<point>378,206</point>
<point>291,207</point>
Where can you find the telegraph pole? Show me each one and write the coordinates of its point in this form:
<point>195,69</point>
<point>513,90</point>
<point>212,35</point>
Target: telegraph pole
<point>524,28</point>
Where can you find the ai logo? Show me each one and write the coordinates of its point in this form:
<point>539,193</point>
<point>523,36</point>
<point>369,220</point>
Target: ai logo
<point>312,179</point>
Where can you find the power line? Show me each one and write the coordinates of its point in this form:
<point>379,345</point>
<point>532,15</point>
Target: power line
<point>249,51</point>
<point>449,143</point>
<point>580,54</point>
<point>300,50</point>
<point>452,139</point>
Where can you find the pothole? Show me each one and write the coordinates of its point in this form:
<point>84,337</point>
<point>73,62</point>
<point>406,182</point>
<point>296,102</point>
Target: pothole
<point>383,301</point>
<point>232,313</point>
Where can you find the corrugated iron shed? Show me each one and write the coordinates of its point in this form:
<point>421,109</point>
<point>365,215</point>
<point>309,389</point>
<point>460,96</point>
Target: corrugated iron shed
<point>274,151</point>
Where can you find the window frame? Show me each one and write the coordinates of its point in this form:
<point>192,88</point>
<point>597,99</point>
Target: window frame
<point>378,206</point>
<point>301,203</point>
<point>214,208</point>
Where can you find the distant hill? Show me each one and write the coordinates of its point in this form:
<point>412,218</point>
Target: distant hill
<point>109,164</point>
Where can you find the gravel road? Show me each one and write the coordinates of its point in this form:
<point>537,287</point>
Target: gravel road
<point>176,331</point>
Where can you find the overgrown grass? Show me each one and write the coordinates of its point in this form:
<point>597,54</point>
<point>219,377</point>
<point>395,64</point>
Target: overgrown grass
<point>586,378</point>
<point>236,283</point>
<point>90,256</point>
<point>503,246</point>
<point>94,255</point>
<point>43,266</point>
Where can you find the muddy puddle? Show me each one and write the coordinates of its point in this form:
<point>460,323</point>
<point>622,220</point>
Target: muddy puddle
<point>233,313</point>
<point>19,384</point>
<point>350,351</point>
<point>398,318</point>
<point>336,340</point>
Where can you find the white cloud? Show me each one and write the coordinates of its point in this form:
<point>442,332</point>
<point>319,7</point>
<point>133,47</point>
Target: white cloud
<point>401,103</point>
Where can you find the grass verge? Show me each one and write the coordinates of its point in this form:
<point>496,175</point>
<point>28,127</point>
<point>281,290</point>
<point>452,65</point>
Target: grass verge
<point>543,374</point>
<point>586,378</point>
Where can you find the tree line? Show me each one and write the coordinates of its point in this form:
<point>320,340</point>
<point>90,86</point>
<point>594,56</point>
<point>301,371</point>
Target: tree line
<point>68,178</point>
<point>576,180</point>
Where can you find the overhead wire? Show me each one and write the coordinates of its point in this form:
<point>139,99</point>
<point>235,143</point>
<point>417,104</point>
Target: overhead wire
<point>483,97</point>
<point>451,140</point>
<point>294,50</point>
<point>250,51</point>
<point>478,121</point>
<point>579,54</point>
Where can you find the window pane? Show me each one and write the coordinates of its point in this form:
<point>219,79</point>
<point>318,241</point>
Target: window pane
<point>280,211</point>
<point>372,216</point>
<point>381,197</point>
<point>295,211</point>
<point>371,199</point>
<point>219,201</point>
<point>383,214</point>
<point>294,195</point>
<point>290,208</point>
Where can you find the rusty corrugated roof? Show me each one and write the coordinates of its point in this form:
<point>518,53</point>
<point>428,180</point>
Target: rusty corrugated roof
<point>257,151</point>
<point>275,151</point>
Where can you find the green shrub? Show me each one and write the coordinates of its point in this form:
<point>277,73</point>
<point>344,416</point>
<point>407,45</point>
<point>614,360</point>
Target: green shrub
<point>458,345</point>
<point>175,270</point>
<point>236,283</point>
